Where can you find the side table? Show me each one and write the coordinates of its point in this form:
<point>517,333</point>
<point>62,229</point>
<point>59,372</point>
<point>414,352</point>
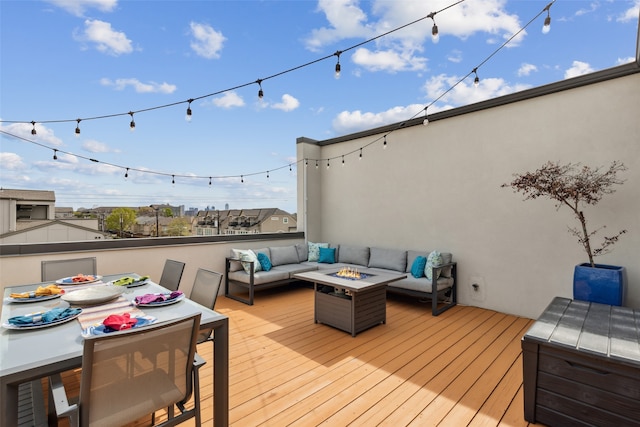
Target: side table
<point>581,365</point>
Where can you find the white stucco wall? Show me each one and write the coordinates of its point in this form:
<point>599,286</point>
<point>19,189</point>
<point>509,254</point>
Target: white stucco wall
<point>438,187</point>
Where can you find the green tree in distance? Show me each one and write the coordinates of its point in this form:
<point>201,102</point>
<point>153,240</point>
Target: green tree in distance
<point>179,227</point>
<point>127,215</point>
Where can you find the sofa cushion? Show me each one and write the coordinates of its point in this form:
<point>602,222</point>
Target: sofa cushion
<point>447,258</point>
<point>417,268</point>
<point>314,250</point>
<point>264,260</point>
<point>259,278</point>
<point>390,259</point>
<point>283,255</point>
<point>303,251</point>
<point>246,256</point>
<point>358,255</point>
<point>433,260</point>
<point>327,255</point>
<point>411,257</point>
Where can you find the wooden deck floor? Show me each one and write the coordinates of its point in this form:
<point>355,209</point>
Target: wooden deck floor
<point>461,368</point>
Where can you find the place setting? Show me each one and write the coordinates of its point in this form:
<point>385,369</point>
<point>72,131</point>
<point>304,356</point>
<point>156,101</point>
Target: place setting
<point>42,319</point>
<point>158,299</point>
<point>42,293</point>
<point>118,322</point>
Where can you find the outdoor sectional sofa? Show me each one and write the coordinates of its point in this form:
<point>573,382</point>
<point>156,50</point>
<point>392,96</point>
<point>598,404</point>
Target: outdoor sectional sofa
<point>289,260</point>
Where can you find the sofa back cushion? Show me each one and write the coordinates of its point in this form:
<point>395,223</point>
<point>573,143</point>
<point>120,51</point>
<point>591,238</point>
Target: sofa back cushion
<point>281,255</point>
<point>358,255</point>
<point>391,259</point>
<point>303,251</point>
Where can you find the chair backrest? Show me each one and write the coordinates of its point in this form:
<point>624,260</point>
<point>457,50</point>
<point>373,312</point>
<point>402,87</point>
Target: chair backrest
<point>119,382</point>
<point>171,274</point>
<point>57,269</point>
<point>205,292</point>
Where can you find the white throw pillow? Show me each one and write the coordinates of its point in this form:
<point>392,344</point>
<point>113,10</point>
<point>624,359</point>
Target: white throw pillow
<point>433,260</point>
<point>245,256</point>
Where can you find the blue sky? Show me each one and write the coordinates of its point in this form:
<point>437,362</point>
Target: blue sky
<point>99,59</point>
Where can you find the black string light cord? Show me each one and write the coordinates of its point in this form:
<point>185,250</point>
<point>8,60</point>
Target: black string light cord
<point>259,82</point>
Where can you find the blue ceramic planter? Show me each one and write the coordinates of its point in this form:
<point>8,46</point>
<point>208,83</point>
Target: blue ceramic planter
<point>606,284</point>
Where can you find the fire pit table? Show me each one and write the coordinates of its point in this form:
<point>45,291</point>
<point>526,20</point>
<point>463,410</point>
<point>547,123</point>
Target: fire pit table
<point>352,303</point>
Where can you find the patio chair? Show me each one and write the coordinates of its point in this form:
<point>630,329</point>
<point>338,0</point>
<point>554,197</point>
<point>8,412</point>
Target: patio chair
<point>171,274</point>
<point>205,292</point>
<point>57,269</point>
<point>118,385</point>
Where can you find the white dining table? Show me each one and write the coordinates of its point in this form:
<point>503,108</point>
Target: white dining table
<point>27,355</point>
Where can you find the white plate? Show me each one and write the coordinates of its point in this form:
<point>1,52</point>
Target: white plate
<point>94,295</point>
<point>34,299</point>
<point>161,303</point>
<point>69,280</point>
<point>39,325</point>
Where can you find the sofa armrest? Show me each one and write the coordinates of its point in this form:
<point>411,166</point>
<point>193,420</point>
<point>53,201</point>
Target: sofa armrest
<point>227,292</point>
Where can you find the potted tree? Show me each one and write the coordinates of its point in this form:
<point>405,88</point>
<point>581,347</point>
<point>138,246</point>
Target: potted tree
<point>574,186</point>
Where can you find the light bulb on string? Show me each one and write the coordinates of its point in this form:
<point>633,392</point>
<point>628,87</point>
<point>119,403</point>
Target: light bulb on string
<point>290,170</point>
<point>316,164</point>
<point>126,174</point>
<point>384,144</point>
<point>132,125</point>
<point>267,174</point>
<point>33,131</point>
<point>188,116</point>
<point>78,127</point>
<point>435,37</point>
<point>476,80</point>
<point>55,154</point>
<point>260,91</point>
<point>173,179</point>
<point>547,21</point>
<point>338,68</point>
<point>328,165</point>
<point>360,156</point>
<point>425,122</point>
<point>209,181</point>
<point>343,160</point>
<point>241,179</point>
<point>306,162</point>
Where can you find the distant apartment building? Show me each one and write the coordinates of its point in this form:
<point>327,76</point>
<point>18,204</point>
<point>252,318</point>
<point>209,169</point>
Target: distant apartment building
<point>244,221</point>
<point>29,216</point>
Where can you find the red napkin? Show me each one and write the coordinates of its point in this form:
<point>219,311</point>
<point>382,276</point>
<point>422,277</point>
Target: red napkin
<point>118,322</point>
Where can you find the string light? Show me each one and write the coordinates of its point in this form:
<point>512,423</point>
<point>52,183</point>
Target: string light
<point>306,162</point>
<point>267,174</point>
<point>338,53</point>
<point>173,179</point>
<point>343,160</point>
<point>188,116</point>
<point>209,181</point>
<point>290,170</point>
<point>126,174</point>
<point>260,91</point>
<point>547,21</point>
<point>425,122</point>
<point>384,144</point>
<point>261,94</point>
<point>78,127</point>
<point>434,30</point>
<point>132,125</point>
<point>55,154</point>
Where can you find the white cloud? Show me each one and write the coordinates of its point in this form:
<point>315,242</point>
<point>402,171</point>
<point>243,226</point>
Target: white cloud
<point>626,60</point>
<point>229,100</point>
<point>578,68</point>
<point>208,42</point>
<point>78,7</point>
<point>346,20</point>
<point>138,86</point>
<point>106,39</point>
<point>23,131</point>
<point>11,162</point>
<point>93,146</point>
<point>354,121</point>
<point>455,56</point>
<point>289,103</point>
<point>526,69</point>
<point>388,60</point>
<point>631,15</point>
<point>465,92</point>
